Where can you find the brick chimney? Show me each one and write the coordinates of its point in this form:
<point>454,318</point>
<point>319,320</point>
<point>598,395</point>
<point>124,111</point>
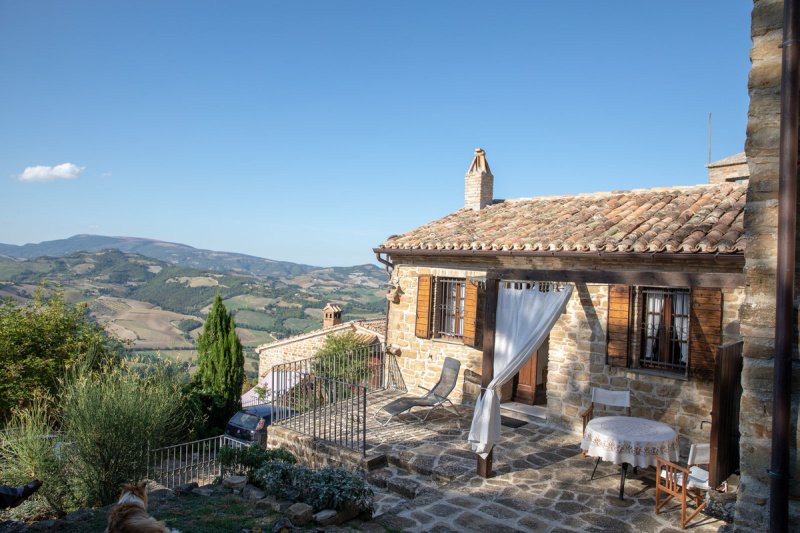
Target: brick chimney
<point>479,182</point>
<point>331,316</point>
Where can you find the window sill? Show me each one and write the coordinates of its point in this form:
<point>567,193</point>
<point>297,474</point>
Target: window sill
<point>448,341</point>
<point>659,373</point>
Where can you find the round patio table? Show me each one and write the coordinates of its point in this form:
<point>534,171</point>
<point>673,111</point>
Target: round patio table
<point>628,440</point>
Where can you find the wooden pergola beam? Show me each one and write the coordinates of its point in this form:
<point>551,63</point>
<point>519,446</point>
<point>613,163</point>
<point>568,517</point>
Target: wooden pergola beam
<point>487,366</point>
<point>725,280</point>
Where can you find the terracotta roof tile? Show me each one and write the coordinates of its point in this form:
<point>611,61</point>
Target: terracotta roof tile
<point>684,219</point>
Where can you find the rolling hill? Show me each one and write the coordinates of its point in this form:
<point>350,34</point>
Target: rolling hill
<point>179,254</point>
<point>159,306</point>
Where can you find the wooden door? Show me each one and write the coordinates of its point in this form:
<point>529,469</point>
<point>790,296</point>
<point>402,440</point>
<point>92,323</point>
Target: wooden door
<point>525,390</point>
<point>725,414</point>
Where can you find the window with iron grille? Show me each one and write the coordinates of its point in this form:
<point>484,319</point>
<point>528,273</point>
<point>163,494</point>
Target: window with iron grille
<point>664,329</point>
<point>448,304</point>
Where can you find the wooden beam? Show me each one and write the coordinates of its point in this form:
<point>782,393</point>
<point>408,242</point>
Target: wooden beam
<point>623,277</point>
<point>487,366</point>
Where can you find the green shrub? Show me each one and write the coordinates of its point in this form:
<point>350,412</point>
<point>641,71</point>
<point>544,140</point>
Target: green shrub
<point>40,341</point>
<point>29,450</point>
<point>326,488</point>
<point>251,458</point>
<point>110,419</point>
<point>329,361</point>
<point>277,478</point>
<point>337,488</point>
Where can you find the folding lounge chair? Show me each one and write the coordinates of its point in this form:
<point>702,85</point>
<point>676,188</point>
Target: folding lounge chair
<point>435,397</point>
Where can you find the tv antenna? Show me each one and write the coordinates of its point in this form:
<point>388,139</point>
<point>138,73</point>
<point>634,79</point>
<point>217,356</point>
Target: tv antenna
<point>709,137</point>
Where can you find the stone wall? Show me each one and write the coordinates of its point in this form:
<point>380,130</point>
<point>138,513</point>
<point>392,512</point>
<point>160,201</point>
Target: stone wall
<point>577,354</point>
<point>315,453</point>
<point>758,311</point>
<point>725,173</point>
<point>294,348</point>
<point>577,362</point>
<point>420,360</point>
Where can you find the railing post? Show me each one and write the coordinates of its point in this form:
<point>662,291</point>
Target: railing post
<point>364,424</point>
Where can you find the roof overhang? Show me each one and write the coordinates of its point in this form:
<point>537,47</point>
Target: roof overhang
<point>734,261</point>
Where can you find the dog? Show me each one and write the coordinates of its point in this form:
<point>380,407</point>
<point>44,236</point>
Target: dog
<point>129,514</point>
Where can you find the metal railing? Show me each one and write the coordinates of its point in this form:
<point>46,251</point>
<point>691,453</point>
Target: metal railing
<point>370,367</point>
<point>326,409</point>
<point>326,396</point>
<point>188,462</point>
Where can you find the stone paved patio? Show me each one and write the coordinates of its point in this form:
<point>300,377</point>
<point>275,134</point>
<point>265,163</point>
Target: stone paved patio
<point>540,482</point>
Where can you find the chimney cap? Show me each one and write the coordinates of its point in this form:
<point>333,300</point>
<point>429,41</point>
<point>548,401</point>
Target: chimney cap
<point>332,307</point>
<point>479,163</point>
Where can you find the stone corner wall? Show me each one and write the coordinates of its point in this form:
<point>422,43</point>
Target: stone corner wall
<point>758,310</point>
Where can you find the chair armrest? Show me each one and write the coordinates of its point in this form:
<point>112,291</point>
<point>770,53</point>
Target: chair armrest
<point>587,415</point>
<point>671,475</point>
<point>430,391</point>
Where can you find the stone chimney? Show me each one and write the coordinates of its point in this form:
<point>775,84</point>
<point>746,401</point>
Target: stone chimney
<point>732,168</point>
<point>331,315</point>
<point>479,182</point>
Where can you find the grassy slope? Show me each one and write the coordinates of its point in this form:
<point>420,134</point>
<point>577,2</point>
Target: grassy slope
<point>145,300</point>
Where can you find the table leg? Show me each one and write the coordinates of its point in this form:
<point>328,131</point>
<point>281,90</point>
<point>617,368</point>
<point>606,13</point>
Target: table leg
<point>622,481</point>
<point>595,468</point>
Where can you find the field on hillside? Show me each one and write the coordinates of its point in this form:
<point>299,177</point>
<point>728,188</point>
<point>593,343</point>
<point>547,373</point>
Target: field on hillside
<point>160,307</point>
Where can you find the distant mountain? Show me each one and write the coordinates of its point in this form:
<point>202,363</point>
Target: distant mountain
<point>177,254</point>
<point>158,305</point>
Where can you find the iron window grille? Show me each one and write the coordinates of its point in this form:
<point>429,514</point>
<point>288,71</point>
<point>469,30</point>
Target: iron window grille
<point>664,329</point>
<point>448,305</point>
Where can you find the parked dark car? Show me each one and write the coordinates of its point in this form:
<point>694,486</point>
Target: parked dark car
<point>250,424</point>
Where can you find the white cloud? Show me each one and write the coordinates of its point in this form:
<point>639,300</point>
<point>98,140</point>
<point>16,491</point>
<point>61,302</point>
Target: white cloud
<point>64,171</point>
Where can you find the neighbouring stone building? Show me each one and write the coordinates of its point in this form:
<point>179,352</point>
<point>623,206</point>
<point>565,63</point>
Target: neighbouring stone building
<point>306,345</point>
<point>732,168</point>
<point>657,339</point>
<point>758,311</point>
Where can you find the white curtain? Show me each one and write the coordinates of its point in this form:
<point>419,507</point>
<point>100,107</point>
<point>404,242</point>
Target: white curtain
<point>655,305</point>
<point>680,306</point>
<point>524,319</point>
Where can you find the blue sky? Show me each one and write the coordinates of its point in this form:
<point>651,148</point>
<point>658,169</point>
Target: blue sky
<point>310,131</point>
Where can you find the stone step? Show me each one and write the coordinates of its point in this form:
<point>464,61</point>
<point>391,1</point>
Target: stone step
<point>399,481</point>
<point>523,412</point>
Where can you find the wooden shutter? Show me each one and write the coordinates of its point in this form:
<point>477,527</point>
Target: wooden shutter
<point>470,313</point>
<point>619,304</point>
<point>424,293</point>
<point>705,331</point>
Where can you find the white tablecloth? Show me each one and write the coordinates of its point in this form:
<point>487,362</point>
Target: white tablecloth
<point>627,439</point>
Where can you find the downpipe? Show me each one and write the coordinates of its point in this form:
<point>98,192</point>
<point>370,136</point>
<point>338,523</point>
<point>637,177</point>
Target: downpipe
<point>784,298</point>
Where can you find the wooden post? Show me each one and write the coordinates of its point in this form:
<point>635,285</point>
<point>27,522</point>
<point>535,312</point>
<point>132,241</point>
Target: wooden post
<point>487,367</point>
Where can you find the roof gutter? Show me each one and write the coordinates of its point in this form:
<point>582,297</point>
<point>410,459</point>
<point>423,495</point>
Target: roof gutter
<point>735,260</point>
<point>784,301</point>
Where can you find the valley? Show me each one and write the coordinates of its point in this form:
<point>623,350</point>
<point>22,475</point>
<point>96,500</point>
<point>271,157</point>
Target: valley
<point>158,307</point>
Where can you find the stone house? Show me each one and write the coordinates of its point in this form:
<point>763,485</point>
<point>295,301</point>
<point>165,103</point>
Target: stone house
<point>305,345</point>
<point>658,277</point>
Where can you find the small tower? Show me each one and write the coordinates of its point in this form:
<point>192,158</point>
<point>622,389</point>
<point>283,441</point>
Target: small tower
<point>479,182</point>
<point>331,315</point>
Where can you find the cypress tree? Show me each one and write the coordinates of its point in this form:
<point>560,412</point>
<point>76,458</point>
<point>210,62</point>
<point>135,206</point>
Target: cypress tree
<point>220,364</point>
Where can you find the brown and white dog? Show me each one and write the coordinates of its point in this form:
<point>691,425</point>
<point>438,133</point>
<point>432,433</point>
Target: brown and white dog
<point>129,514</point>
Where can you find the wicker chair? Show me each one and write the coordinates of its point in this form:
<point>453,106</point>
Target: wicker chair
<point>684,483</point>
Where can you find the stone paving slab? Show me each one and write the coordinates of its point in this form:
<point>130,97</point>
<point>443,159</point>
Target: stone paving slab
<point>540,482</point>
